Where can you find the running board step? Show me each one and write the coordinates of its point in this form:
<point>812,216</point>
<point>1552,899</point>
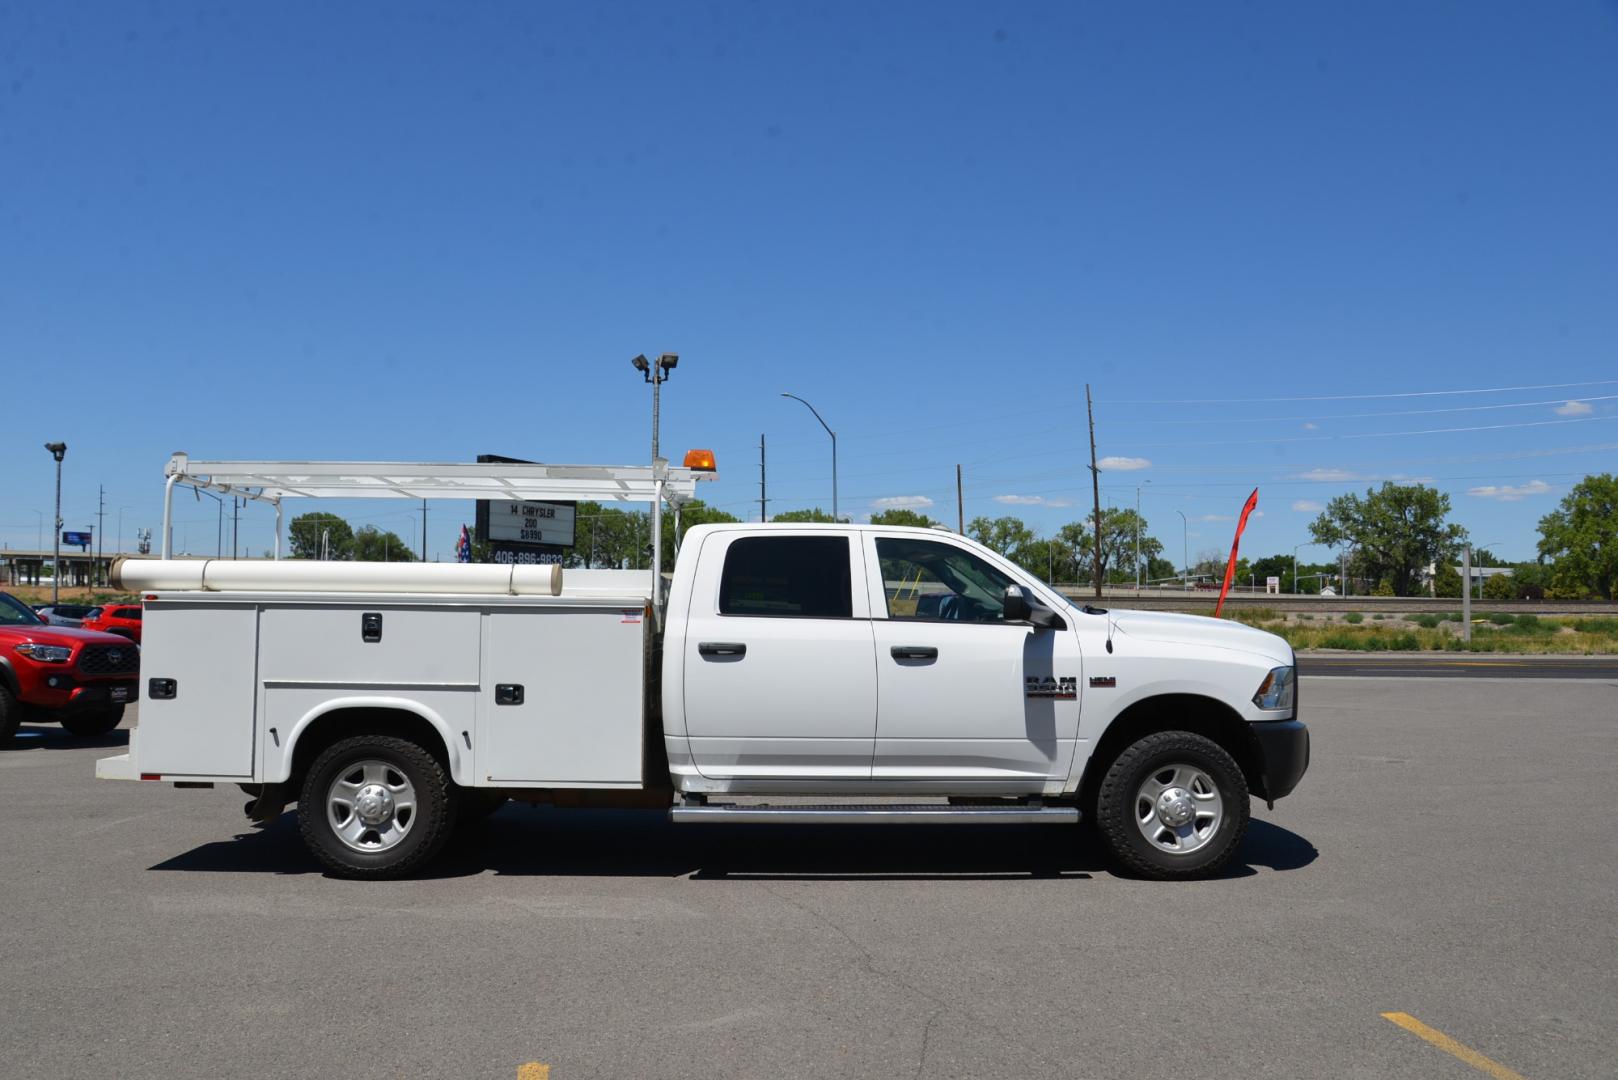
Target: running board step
<point>873,814</point>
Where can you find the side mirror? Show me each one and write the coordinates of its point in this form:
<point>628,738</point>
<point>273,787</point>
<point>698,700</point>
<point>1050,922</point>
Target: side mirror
<point>1018,607</point>
<point>1015,605</point>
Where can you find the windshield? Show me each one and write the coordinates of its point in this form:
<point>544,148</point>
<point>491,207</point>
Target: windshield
<point>14,612</point>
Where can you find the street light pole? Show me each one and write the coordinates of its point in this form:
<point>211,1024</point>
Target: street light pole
<point>1185,553</point>
<point>1481,547</point>
<point>1295,590</point>
<point>58,451</point>
<point>833,435</point>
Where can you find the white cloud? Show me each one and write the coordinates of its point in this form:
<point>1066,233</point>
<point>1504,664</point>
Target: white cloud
<point>1214,517</point>
<point>902,502</point>
<point>1310,425</point>
<point>1307,506</point>
<point>1124,464</point>
<point>1330,475</point>
<point>1509,492</point>
<point>1032,500</point>
<point>1574,408</point>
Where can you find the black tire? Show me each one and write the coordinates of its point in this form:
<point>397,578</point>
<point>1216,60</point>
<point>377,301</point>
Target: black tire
<point>1144,764</point>
<point>91,723</point>
<point>431,820</point>
<point>10,714</point>
<point>477,804</point>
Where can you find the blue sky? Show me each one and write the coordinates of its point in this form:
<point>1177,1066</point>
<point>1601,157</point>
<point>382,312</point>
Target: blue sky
<point>393,231</point>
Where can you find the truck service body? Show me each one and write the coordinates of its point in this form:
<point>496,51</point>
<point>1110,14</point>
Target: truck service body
<point>841,662</point>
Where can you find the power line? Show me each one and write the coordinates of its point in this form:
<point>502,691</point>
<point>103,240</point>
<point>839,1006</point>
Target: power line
<point>1362,397</point>
<point>1376,434</point>
<point>1367,415</point>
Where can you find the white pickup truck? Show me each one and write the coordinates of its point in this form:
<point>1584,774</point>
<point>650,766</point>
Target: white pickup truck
<point>886,674</point>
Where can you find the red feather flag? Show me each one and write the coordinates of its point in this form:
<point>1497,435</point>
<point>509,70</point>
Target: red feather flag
<point>1230,567</point>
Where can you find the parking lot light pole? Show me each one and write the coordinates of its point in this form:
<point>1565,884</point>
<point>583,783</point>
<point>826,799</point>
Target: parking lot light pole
<point>833,435</point>
<point>1185,553</point>
<point>1295,590</point>
<point>1482,547</point>
<point>58,451</point>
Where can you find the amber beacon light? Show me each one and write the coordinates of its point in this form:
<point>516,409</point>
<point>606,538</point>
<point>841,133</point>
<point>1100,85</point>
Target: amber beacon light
<point>700,460</point>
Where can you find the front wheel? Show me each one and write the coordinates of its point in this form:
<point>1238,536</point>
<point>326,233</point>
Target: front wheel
<point>93,722</point>
<point>1173,805</point>
<point>375,807</point>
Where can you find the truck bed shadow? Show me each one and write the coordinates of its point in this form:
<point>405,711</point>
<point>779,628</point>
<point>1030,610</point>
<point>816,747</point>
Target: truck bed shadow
<point>522,841</point>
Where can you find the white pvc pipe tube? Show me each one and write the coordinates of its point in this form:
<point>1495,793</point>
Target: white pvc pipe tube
<point>227,575</point>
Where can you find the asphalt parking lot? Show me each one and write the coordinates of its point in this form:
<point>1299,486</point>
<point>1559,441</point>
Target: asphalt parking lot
<point>1450,856</point>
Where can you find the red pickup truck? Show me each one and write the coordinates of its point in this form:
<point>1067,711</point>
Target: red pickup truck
<point>80,678</point>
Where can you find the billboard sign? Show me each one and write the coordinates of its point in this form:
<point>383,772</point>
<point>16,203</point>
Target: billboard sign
<point>77,539</point>
<point>523,531</point>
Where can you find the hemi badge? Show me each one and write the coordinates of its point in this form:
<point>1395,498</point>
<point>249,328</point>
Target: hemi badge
<point>1103,682</point>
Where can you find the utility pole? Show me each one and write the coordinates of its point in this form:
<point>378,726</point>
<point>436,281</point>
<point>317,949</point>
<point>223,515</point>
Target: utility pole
<point>235,525</point>
<point>763,502</point>
<point>424,530</point>
<point>1095,483</point>
<point>960,504</point>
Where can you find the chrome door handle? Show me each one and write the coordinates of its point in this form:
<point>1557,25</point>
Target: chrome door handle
<point>722,648</point>
<point>914,652</point>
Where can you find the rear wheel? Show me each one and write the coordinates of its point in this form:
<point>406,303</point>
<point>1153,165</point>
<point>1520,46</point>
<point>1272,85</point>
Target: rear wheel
<point>1173,805</point>
<point>93,721</point>
<point>10,714</point>
<point>375,806</point>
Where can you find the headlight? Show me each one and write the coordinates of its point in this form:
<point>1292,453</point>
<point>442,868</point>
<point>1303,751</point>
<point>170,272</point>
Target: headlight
<point>46,654</point>
<point>1278,691</point>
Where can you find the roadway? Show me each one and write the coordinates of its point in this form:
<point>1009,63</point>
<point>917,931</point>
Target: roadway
<point>1457,666</point>
<point>1440,874</point>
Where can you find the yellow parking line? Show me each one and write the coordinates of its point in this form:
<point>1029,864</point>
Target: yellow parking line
<point>1450,1046</point>
<point>535,1071</point>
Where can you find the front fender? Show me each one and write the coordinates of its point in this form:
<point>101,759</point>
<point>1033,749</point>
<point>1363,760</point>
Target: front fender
<point>1143,670</point>
<point>278,759</point>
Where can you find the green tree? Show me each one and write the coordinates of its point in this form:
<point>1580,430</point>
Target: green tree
<point>1003,534</point>
<point>1446,581</point>
<point>1119,530</point>
<point>817,514</point>
<point>1582,537</point>
<point>304,536</point>
<point>1399,530</point>
<point>1499,587</point>
<point>1530,580</point>
<point>371,544</point>
<point>901,516</point>
<point>695,512</point>
<point>1048,558</point>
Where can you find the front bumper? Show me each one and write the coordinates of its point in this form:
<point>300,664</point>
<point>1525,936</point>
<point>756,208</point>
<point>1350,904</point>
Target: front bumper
<point>1283,756</point>
<point>71,694</point>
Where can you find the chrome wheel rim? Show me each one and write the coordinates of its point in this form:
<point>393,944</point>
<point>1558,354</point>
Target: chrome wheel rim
<point>371,806</point>
<point>1178,809</point>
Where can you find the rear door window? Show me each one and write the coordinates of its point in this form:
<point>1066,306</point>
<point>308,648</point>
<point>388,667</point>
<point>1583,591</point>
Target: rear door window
<point>787,576</point>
